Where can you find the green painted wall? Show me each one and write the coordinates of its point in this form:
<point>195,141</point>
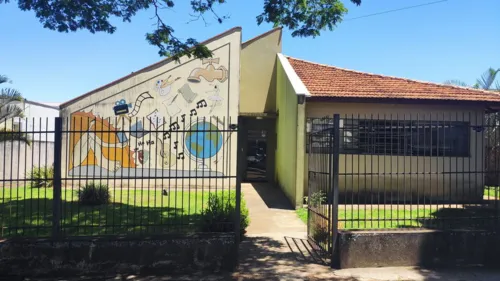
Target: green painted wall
<point>289,169</point>
<point>301,155</point>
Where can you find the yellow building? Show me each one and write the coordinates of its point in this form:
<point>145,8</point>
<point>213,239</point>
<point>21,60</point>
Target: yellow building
<point>272,96</point>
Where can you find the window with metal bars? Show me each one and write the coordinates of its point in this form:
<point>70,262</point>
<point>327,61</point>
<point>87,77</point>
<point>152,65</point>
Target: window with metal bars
<point>393,137</point>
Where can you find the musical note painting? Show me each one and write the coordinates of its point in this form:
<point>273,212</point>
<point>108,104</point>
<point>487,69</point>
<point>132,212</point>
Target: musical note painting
<point>163,125</point>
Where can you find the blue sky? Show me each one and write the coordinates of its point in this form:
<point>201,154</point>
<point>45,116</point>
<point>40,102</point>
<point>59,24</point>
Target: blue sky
<point>456,39</point>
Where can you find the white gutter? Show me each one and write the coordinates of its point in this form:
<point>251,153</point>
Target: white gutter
<point>297,84</point>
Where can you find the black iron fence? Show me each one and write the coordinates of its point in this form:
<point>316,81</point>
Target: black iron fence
<point>438,171</point>
<point>322,200</point>
<point>86,176</point>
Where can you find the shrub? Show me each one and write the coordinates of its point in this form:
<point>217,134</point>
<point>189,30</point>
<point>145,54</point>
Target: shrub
<point>320,233</point>
<point>219,214</point>
<point>317,198</point>
<point>41,177</point>
<point>94,194</point>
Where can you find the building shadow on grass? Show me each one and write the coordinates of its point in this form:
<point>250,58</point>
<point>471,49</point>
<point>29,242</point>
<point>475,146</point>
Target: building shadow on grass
<point>468,236</point>
<point>34,218</point>
<point>485,217</point>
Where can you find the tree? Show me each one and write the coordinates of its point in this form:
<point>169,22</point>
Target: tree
<point>10,100</point>
<point>485,82</point>
<point>306,18</point>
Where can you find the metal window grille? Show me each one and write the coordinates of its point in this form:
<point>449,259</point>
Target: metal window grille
<point>396,137</point>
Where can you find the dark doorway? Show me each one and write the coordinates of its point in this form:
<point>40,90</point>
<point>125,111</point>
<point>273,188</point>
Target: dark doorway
<point>259,147</point>
<point>256,156</point>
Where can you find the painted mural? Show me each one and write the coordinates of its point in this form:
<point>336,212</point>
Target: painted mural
<point>169,124</point>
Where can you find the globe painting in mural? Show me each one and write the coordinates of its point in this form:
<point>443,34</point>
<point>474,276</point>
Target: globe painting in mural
<point>203,140</point>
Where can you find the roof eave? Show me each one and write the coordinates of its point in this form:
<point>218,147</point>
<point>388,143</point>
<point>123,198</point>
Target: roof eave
<point>482,103</point>
<point>298,86</point>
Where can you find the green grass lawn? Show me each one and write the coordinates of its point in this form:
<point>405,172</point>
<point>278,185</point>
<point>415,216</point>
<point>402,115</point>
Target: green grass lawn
<point>28,212</point>
<point>375,218</point>
<point>472,218</point>
<point>411,216</point>
<point>302,213</point>
<point>395,217</point>
<point>492,191</point>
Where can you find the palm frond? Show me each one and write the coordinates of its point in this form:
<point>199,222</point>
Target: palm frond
<point>497,86</point>
<point>10,111</point>
<point>10,135</point>
<point>4,79</point>
<point>487,79</point>
<point>10,104</point>
<point>456,83</point>
<point>10,95</point>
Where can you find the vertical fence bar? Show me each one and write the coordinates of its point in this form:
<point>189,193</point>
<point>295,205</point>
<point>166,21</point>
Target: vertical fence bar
<point>310,162</point>
<point>328,187</point>
<point>334,172</point>
<point>239,175</point>
<point>56,227</point>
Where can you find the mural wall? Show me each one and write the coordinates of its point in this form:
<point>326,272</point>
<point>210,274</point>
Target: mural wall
<point>174,123</point>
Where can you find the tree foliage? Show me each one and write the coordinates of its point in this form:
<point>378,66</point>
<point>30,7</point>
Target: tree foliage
<point>305,18</point>
<point>488,81</point>
<point>10,100</point>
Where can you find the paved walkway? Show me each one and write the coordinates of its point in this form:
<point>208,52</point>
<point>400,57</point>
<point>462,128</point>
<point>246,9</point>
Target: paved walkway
<point>276,247</point>
<point>271,214</point>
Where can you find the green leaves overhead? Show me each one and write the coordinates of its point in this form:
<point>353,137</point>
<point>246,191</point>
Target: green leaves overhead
<point>303,17</point>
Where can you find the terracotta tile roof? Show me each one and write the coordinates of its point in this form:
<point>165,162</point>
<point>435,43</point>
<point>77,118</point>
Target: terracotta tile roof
<point>329,81</point>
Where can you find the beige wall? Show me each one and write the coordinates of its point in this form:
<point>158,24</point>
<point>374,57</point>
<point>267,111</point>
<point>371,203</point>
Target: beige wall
<point>289,148</point>
<point>166,98</point>
<point>440,178</point>
<point>258,73</point>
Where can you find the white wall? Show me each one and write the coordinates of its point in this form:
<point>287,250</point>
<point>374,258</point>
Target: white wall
<point>17,159</point>
<point>39,118</point>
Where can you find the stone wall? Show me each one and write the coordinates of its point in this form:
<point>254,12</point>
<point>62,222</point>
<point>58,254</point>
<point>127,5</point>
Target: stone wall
<point>207,252</point>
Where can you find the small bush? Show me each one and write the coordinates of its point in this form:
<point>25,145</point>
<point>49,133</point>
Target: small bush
<point>41,177</point>
<point>219,214</point>
<point>317,198</point>
<point>320,233</point>
<point>94,194</point>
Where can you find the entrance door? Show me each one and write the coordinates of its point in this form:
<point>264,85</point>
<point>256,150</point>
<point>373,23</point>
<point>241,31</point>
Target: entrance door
<point>256,156</point>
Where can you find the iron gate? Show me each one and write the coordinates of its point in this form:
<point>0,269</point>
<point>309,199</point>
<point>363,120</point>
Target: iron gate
<point>323,157</point>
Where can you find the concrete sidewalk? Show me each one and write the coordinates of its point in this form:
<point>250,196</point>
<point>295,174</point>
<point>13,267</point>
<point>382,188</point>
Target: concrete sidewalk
<point>416,274</point>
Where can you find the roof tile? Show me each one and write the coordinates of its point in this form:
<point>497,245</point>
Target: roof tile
<point>329,81</point>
